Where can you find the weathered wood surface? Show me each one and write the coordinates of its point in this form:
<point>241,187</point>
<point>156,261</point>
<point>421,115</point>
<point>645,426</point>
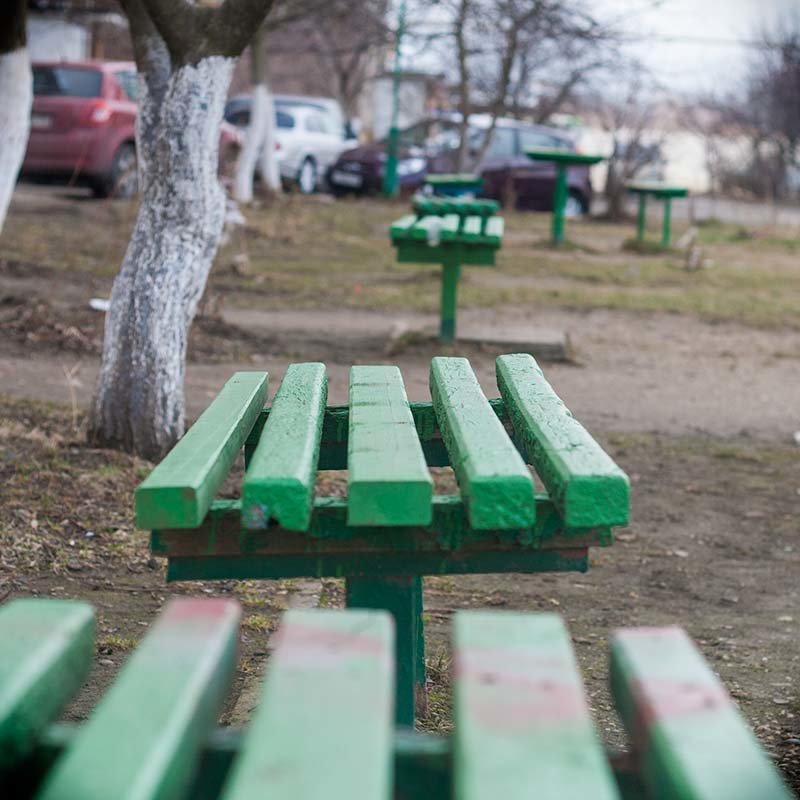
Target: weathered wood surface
<point>522,725</point>
<point>279,482</point>
<point>143,739</point>
<point>324,727</point>
<point>179,491</point>
<point>495,482</point>
<point>693,742</point>
<point>587,487</point>
<point>388,480</point>
<point>46,653</point>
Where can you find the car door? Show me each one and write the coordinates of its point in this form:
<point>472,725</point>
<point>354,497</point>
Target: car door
<point>494,168</point>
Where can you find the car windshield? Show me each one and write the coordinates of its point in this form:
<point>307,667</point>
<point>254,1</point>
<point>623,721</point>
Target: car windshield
<point>66,82</point>
<point>283,119</point>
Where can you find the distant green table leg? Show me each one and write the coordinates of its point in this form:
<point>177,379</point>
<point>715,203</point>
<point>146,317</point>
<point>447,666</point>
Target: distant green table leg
<point>402,596</point>
<point>559,203</point>
<point>447,324</point>
<point>641,218</point>
<point>666,233</point>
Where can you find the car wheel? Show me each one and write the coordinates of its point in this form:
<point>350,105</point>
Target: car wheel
<point>307,176</point>
<point>123,180</point>
<point>575,205</point>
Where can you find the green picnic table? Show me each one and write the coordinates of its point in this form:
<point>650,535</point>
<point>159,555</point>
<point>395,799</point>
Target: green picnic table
<point>324,725</point>
<point>563,160</point>
<point>391,529</point>
<point>454,185</point>
<point>661,192</point>
<point>453,232</point>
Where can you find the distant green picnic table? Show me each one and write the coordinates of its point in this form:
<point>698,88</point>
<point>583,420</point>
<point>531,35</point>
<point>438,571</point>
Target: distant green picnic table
<point>661,192</point>
<point>563,160</point>
<point>455,185</point>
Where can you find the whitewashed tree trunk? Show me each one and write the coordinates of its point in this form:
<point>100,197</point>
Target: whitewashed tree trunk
<point>139,401</point>
<point>259,147</point>
<point>16,97</point>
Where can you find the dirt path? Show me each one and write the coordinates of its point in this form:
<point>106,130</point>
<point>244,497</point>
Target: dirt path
<point>634,372</point>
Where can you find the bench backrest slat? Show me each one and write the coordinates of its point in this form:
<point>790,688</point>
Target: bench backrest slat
<point>494,230</point>
<point>472,229</point>
<point>143,739</point>
<point>324,726</point>
<point>694,744</point>
<point>450,226</point>
<point>522,725</point>
<point>388,479</point>
<point>587,487</point>
<point>178,492</point>
<point>400,228</point>
<point>495,482</point>
<point>279,482</point>
<point>46,654</point>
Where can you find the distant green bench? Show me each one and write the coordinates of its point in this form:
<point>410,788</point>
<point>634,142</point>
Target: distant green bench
<point>324,726</point>
<point>453,239</point>
<point>454,185</point>
<point>661,192</point>
<point>391,529</point>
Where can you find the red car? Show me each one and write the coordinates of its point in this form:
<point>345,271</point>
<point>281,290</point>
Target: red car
<point>82,126</point>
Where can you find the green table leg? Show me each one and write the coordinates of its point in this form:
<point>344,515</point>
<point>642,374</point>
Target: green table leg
<point>641,218</point>
<point>559,203</point>
<point>447,323</point>
<point>666,233</point>
<point>402,596</point>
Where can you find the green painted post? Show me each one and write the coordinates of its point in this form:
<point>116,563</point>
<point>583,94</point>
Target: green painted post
<point>402,596</point>
<point>447,324</point>
<point>641,218</point>
<point>666,233</point>
<point>559,203</point>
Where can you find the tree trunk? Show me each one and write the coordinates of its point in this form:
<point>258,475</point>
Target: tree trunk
<point>139,401</point>
<point>16,96</point>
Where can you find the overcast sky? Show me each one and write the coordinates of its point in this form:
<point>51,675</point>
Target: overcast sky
<point>695,45</point>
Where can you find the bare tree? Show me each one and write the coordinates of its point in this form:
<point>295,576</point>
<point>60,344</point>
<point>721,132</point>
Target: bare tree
<point>185,53</point>
<point>16,96</point>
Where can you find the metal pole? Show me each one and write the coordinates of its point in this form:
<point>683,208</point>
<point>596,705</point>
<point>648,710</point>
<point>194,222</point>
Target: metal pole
<point>559,202</point>
<point>390,182</point>
<point>666,233</point>
<point>642,218</point>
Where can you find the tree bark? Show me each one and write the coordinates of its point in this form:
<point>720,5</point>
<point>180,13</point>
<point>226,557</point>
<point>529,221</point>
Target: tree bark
<point>16,93</point>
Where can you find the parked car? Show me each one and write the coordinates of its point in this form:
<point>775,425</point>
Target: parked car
<point>82,126</point>
<point>432,146</point>
<point>310,134</point>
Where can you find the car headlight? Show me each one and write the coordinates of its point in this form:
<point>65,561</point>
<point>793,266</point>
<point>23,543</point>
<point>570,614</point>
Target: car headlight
<point>408,166</point>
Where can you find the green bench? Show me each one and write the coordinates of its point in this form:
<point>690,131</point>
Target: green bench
<point>458,184</point>
<point>661,192</point>
<point>467,235</point>
<point>392,528</point>
<point>324,726</point>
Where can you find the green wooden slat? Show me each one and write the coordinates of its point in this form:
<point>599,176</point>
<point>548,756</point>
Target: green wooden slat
<point>178,492</point>
<point>143,739</point>
<point>46,653</point>
<point>279,483</point>
<point>471,229</point>
<point>493,233</point>
<point>693,743</point>
<point>522,726</point>
<point>324,726</point>
<point>587,487</point>
<point>424,227</point>
<point>496,485</point>
<point>388,479</point>
<point>401,228</point>
<point>449,229</point>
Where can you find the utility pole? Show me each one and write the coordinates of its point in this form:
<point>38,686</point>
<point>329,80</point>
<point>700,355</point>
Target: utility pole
<point>390,183</point>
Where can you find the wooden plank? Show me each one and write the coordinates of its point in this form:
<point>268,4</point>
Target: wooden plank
<point>401,228</point>
<point>47,652</point>
<point>493,232</point>
<point>693,743</point>
<point>471,230</point>
<point>496,485</point>
<point>388,479</point>
<point>522,725</point>
<point>178,492</point>
<point>449,229</point>
<point>143,739</point>
<point>587,487</point>
<point>324,726</point>
<point>279,482</point>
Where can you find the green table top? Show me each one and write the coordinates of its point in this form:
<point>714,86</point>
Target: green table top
<point>458,179</point>
<point>657,189</point>
<point>557,156</point>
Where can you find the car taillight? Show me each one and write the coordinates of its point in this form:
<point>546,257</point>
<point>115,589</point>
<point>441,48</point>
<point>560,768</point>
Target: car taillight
<point>99,113</point>
<point>277,145</point>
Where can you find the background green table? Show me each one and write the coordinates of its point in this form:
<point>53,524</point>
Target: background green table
<point>455,185</point>
<point>563,160</point>
<point>660,192</point>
